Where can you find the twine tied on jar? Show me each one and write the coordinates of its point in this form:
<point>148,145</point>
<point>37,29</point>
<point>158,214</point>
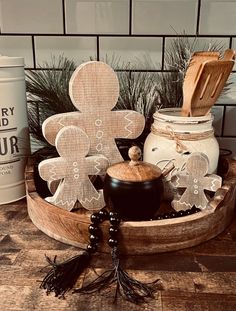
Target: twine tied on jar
<point>169,133</point>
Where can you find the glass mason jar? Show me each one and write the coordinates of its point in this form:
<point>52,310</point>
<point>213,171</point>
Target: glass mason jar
<point>172,140</point>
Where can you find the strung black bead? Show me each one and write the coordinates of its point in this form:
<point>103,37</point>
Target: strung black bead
<point>93,239</point>
<point>112,242</point>
<point>92,248</point>
<point>95,218</point>
<point>114,221</point>
<point>159,217</point>
<point>166,216</point>
<point>188,212</point>
<point>113,231</point>
<point>195,209</point>
<point>94,229</point>
<point>113,214</point>
<point>173,215</point>
<point>103,213</point>
<point>181,213</point>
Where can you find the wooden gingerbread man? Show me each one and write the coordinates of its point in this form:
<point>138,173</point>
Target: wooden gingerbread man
<point>94,90</point>
<point>195,180</point>
<point>73,168</point>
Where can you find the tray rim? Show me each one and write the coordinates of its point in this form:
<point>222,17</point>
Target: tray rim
<point>220,207</point>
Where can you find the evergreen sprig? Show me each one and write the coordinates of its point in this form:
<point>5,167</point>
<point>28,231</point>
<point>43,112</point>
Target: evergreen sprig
<point>48,93</point>
<point>144,92</point>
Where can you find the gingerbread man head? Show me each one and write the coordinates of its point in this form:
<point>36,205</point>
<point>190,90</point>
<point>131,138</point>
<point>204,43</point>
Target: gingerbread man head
<point>94,85</point>
<point>197,164</point>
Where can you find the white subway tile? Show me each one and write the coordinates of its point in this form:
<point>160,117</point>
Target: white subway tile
<point>228,143</point>
<point>228,97</point>
<point>79,49</point>
<point>31,16</point>
<point>230,124</point>
<point>102,16</point>
<point>137,52</point>
<point>217,17</point>
<point>17,46</point>
<point>164,17</point>
<point>217,112</point>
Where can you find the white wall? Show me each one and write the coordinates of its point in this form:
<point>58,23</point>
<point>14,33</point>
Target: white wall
<point>127,28</point>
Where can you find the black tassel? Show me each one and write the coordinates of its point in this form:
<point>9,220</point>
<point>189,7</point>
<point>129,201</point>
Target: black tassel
<point>63,276</point>
<point>129,288</point>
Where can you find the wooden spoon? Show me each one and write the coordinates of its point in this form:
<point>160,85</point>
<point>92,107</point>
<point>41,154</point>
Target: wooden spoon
<point>192,76</point>
<point>229,55</point>
<point>212,78</point>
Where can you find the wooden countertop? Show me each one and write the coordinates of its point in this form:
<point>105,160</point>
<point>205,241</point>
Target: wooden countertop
<point>198,278</point>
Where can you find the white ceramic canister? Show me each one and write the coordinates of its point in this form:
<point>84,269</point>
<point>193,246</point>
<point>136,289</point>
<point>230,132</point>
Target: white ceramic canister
<point>173,138</point>
<point>14,134</point>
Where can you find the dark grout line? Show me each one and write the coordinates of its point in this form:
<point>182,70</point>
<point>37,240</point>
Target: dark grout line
<point>117,35</point>
<point>223,121</point>
<point>33,52</point>
<point>98,48</point>
<point>163,54</point>
<point>64,17</point>
<point>130,16</point>
<point>198,16</point>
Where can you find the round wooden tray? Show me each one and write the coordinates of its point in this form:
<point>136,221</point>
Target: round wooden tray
<point>143,237</point>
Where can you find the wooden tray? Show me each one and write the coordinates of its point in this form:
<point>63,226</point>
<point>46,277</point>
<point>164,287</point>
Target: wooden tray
<point>143,237</point>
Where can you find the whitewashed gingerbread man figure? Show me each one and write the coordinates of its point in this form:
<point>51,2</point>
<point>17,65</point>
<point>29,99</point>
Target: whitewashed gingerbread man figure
<point>195,180</point>
<point>94,91</point>
<point>73,168</point>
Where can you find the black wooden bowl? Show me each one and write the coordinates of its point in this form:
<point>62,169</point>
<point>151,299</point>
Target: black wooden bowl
<point>133,188</point>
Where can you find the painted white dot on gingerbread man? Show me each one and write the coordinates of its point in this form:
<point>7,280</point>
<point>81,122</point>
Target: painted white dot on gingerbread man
<point>195,180</point>
<point>94,91</point>
<point>73,169</point>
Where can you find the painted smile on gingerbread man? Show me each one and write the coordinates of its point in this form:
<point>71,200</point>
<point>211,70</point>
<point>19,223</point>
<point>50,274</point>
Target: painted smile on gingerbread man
<point>94,91</point>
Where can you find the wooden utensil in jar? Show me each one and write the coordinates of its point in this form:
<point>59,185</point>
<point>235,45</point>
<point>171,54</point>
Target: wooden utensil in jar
<point>192,75</point>
<point>229,54</point>
<point>212,79</point>
<point>205,81</point>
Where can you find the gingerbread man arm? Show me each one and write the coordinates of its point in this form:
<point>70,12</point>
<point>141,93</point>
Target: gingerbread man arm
<point>180,180</point>
<point>51,169</point>
<point>127,124</point>
<point>52,125</point>
<point>212,182</point>
<point>97,165</point>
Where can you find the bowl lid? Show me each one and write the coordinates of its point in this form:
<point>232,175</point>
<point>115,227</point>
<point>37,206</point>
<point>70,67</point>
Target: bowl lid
<point>134,170</point>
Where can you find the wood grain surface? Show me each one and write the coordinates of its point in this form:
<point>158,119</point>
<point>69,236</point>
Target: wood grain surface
<point>142,237</point>
<point>74,168</point>
<point>195,181</point>
<point>198,278</point>
<point>94,91</point>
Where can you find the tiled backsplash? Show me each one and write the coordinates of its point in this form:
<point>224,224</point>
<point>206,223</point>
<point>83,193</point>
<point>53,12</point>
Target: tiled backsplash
<point>129,29</point>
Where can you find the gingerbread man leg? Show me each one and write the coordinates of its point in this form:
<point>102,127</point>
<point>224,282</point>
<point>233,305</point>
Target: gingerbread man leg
<point>90,198</point>
<point>64,197</point>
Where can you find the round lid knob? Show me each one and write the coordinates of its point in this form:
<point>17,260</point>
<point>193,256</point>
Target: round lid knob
<point>134,170</point>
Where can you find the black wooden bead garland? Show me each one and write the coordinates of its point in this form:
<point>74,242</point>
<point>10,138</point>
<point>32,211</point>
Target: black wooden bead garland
<point>63,276</point>
<point>181,213</point>
<point>129,288</point>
